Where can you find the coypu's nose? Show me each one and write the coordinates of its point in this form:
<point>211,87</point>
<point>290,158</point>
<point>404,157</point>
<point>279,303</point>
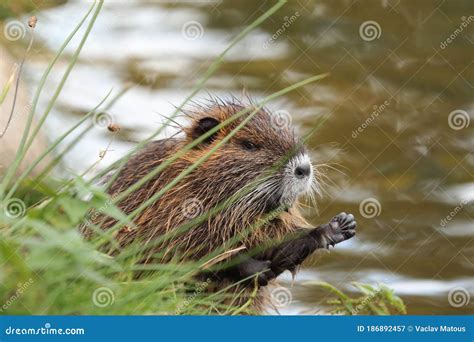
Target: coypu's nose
<point>302,171</point>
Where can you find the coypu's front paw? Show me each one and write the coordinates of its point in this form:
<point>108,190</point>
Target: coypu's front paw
<point>341,228</point>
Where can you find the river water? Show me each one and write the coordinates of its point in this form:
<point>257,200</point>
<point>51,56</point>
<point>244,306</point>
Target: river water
<point>398,141</point>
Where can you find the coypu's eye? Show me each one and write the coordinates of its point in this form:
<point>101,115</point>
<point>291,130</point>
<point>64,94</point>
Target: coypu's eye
<point>248,145</point>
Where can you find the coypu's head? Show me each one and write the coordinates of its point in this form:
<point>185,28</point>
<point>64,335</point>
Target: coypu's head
<point>264,159</point>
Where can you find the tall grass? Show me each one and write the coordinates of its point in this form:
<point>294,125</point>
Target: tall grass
<point>47,267</point>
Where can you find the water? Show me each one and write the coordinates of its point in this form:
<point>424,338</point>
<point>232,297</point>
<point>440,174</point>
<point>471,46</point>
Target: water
<point>390,140</point>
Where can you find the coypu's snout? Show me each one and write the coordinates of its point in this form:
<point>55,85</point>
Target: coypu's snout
<point>297,179</point>
<point>303,171</point>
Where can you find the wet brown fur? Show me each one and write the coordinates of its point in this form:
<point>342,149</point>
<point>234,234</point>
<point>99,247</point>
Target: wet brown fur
<point>214,181</point>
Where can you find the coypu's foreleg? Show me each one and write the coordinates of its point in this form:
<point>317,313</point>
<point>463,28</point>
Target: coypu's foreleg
<point>249,269</point>
<point>291,253</point>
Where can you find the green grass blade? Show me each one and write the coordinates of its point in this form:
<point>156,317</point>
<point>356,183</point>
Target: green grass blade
<point>34,104</point>
<point>208,73</point>
<point>53,146</point>
<point>188,170</point>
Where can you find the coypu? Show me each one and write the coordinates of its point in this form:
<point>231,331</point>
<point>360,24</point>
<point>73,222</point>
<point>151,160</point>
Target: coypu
<point>281,242</point>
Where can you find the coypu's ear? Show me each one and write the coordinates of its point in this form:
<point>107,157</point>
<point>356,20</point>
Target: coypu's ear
<point>204,125</point>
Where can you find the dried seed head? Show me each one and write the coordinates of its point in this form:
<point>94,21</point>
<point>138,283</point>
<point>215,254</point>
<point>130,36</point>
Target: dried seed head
<point>113,128</point>
<point>125,229</point>
<point>32,21</point>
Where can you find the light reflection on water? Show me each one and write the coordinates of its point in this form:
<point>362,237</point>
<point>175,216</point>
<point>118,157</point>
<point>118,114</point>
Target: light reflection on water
<point>407,156</point>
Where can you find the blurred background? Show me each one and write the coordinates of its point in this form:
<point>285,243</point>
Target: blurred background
<point>398,142</point>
